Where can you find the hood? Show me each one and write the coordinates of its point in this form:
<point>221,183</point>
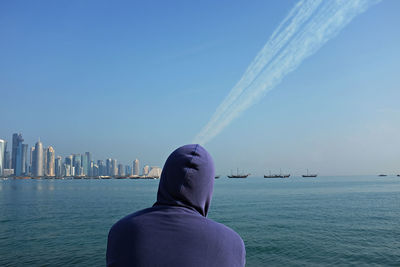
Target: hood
<point>187,179</point>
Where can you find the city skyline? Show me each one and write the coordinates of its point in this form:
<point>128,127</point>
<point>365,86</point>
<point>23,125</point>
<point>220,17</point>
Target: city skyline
<point>43,162</point>
<point>143,78</point>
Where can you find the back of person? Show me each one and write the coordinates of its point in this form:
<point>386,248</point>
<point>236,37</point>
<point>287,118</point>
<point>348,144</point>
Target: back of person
<point>175,231</point>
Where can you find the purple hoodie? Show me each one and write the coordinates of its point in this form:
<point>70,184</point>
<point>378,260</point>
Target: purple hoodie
<point>175,231</point>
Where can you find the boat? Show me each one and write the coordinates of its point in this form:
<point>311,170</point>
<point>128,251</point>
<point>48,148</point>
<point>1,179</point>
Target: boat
<point>277,176</point>
<point>383,175</point>
<point>216,177</point>
<point>309,175</point>
<point>398,175</point>
<point>280,175</point>
<point>238,175</point>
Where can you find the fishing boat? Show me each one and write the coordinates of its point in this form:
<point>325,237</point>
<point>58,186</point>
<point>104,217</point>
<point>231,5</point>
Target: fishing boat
<point>280,175</point>
<point>309,175</point>
<point>216,177</point>
<point>238,175</point>
<point>383,175</point>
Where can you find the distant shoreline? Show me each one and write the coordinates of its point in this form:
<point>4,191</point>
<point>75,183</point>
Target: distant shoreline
<point>80,177</point>
<point>139,177</point>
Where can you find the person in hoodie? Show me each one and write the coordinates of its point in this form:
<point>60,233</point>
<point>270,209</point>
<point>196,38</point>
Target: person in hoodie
<point>175,230</point>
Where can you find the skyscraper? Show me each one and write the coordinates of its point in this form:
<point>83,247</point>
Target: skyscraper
<point>58,166</point>
<point>18,161</point>
<point>44,161</point>
<point>68,160</point>
<point>67,169</point>
<point>95,170</point>
<point>155,172</point>
<point>128,170</point>
<point>25,170</point>
<point>2,156</point>
<point>77,164</point>
<point>31,160</point>
<point>38,160</point>
<point>7,159</point>
<point>101,167</point>
<point>108,167</point>
<point>146,170</point>
<point>91,166</point>
<point>136,167</point>
<point>121,171</point>
<point>72,171</point>
<point>50,161</point>
<point>86,159</point>
<point>114,167</point>
<point>21,159</point>
<point>17,139</point>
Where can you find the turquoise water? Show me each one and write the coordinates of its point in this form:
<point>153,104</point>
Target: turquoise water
<point>324,221</point>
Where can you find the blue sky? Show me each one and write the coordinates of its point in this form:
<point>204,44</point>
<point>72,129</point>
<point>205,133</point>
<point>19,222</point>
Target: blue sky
<point>129,79</point>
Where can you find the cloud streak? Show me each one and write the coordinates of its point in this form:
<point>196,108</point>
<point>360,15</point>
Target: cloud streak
<point>307,27</point>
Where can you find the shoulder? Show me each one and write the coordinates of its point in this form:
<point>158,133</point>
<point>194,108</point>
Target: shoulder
<point>226,233</point>
<point>121,235</point>
<point>223,229</point>
<point>229,243</point>
<point>125,224</point>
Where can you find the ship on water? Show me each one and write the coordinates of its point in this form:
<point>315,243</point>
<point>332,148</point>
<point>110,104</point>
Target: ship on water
<point>238,175</point>
<point>217,176</point>
<point>280,175</point>
<point>309,175</point>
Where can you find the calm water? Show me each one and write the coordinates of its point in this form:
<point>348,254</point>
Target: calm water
<point>324,221</point>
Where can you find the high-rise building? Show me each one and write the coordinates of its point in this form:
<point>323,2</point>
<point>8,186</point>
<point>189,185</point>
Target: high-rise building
<point>108,167</point>
<point>155,172</point>
<point>25,169</point>
<point>21,158</point>
<point>50,161</point>
<point>31,160</point>
<point>2,156</point>
<point>67,170</point>
<point>38,160</point>
<point>86,159</point>
<point>121,171</point>
<point>102,168</point>
<point>128,170</point>
<point>45,161</point>
<point>58,166</point>
<point>14,150</point>
<point>146,170</point>
<point>136,167</point>
<point>18,161</point>
<point>114,167</point>
<point>68,160</point>
<point>90,171</point>
<point>77,164</point>
<point>73,171</point>
<point>7,158</point>
<point>17,139</point>
<point>95,170</point>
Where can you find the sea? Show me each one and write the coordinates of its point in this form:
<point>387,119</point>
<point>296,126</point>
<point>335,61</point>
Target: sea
<point>323,221</point>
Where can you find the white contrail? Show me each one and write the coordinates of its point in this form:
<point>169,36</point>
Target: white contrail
<point>307,27</point>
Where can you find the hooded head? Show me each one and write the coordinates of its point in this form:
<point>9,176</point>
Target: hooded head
<point>187,179</point>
